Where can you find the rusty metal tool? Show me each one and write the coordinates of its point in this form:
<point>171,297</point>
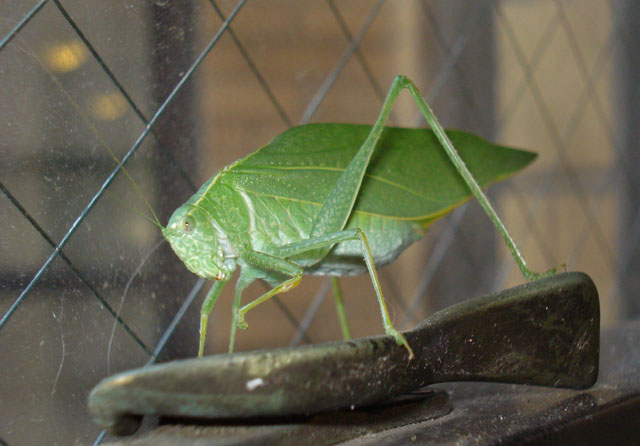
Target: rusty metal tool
<point>542,333</point>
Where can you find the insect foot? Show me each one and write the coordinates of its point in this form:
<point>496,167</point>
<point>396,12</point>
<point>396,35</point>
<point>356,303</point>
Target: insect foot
<point>240,322</point>
<point>401,340</point>
<point>537,276</point>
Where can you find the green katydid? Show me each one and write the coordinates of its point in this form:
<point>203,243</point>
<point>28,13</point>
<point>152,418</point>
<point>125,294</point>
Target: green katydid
<point>318,199</point>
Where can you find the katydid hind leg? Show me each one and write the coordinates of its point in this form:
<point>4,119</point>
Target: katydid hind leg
<point>469,179</point>
<point>338,205</point>
<point>342,315</point>
<point>343,236</point>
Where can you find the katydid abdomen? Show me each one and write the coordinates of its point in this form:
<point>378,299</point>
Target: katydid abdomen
<point>280,221</point>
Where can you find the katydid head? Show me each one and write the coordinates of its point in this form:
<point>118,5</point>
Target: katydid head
<point>191,235</point>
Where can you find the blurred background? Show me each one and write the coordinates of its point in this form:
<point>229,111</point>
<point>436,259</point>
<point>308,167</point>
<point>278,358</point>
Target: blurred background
<point>180,89</point>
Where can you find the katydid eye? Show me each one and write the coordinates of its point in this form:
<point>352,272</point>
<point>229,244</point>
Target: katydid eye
<point>188,225</point>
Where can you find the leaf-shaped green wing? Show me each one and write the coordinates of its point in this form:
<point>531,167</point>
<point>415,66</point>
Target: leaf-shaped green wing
<point>410,175</point>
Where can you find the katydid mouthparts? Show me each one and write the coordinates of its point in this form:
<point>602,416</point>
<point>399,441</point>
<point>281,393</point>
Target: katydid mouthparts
<point>334,199</point>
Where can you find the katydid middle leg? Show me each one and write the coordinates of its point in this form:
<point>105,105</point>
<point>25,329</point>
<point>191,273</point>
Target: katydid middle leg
<point>243,281</point>
<point>263,261</point>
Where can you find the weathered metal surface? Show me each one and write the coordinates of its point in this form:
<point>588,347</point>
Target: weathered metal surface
<point>545,333</point>
<point>322,429</point>
<point>477,414</point>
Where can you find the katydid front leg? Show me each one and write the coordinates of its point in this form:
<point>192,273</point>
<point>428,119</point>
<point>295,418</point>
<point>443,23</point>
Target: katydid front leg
<point>205,311</point>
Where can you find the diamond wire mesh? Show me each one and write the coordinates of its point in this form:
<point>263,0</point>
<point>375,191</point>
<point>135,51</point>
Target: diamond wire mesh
<point>63,289</point>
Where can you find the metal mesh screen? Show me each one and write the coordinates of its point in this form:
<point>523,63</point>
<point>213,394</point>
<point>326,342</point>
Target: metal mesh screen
<point>177,92</point>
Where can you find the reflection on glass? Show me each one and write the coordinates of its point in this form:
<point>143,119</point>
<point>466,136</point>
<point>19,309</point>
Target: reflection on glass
<point>63,57</point>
